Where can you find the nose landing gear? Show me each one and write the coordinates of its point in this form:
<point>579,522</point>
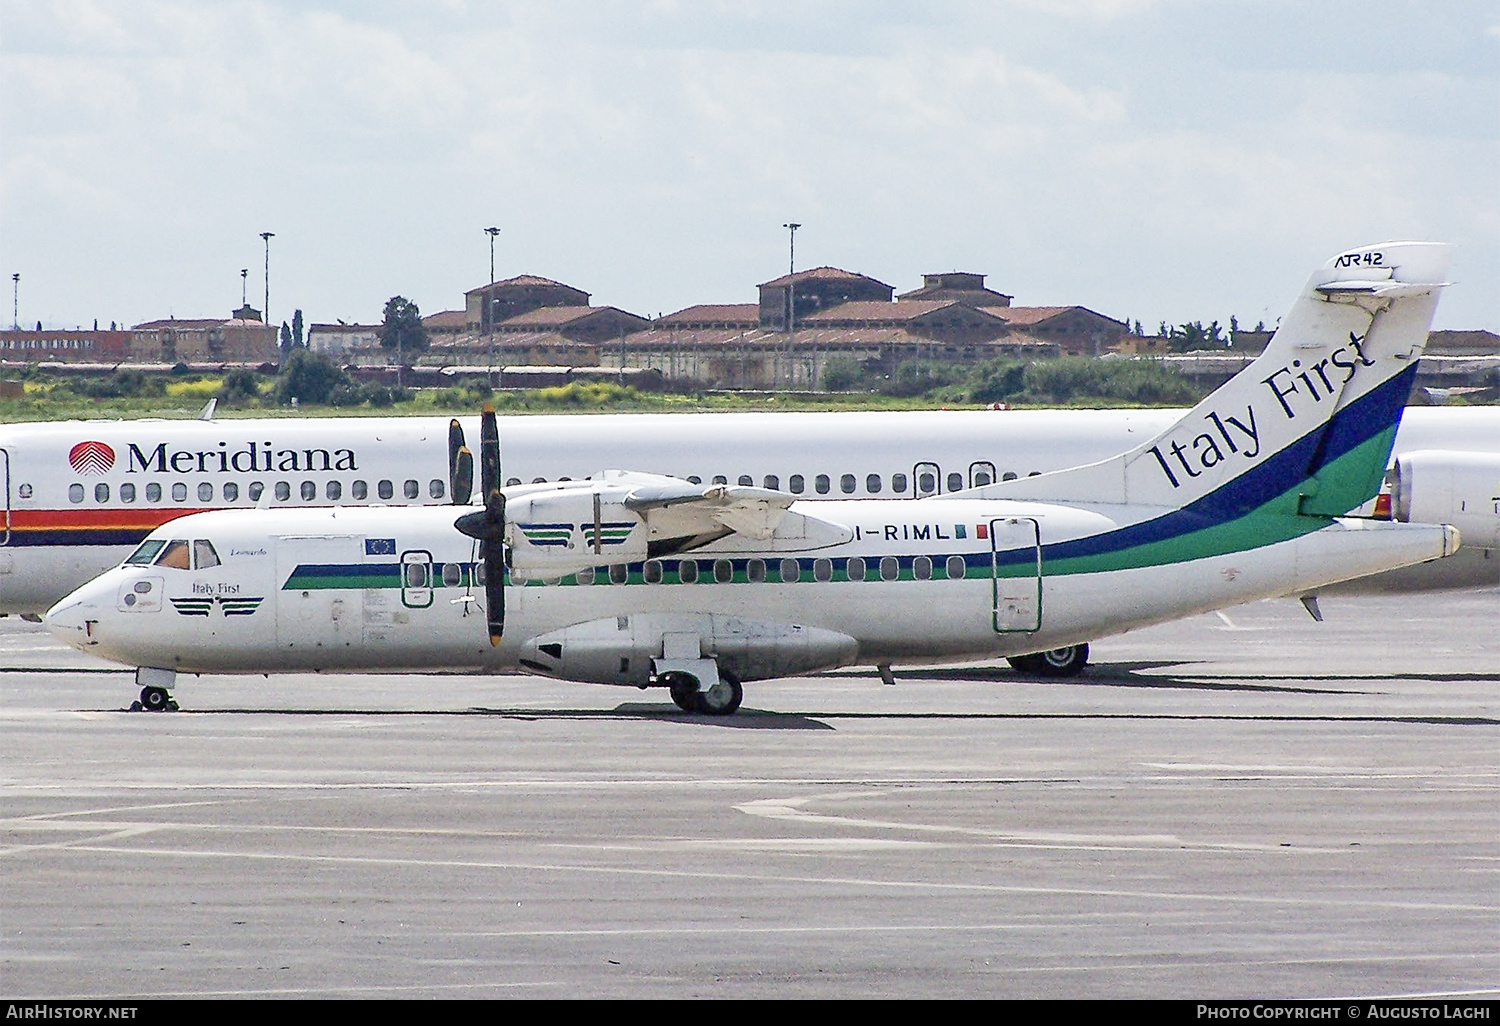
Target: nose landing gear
<point>154,683</point>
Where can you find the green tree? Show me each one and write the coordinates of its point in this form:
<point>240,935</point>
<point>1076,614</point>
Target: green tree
<point>308,377</point>
<point>240,385</point>
<point>401,325</point>
<point>297,329</point>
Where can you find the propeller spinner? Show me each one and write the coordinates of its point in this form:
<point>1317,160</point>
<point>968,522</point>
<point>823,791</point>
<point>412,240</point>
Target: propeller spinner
<point>488,525</point>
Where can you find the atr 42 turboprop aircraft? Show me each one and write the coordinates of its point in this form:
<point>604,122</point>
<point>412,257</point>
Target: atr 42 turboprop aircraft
<point>643,580</point>
<point>79,496</point>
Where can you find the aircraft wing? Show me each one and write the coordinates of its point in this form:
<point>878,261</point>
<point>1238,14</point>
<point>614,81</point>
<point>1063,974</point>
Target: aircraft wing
<point>678,508</point>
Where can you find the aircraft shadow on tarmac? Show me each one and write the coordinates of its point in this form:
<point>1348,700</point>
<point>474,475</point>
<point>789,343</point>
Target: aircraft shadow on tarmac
<point>1137,675</point>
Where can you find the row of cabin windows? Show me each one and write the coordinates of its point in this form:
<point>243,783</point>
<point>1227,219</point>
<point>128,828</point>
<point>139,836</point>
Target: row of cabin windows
<point>757,571</point>
<point>848,483</point>
<point>229,491</point>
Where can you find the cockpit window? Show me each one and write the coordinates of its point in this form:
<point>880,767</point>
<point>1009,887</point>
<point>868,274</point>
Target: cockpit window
<point>146,552</point>
<point>175,555</point>
<point>204,554</point>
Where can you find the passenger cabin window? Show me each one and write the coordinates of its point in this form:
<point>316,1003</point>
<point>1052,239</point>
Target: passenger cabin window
<point>231,492</point>
<point>411,489</point>
<point>746,481</point>
<point>283,491</point>
<point>101,492</point>
<point>385,489</point>
<point>75,493</point>
<point>512,481</point>
<point>898,484</point>
<point>204,554</point>
<point>205,492</point>
<point>957,568</point>
<point>256,491</point>
<point>794,483</point>
<point>360,490</point>
<point>872,484</point>
<point>1009,475</point>
<point>127,492</point>
<point>694,479</point>
<point>821,484</point>
<point>955,482</point>
<point>791,571</point>
<point>772,482</point>
<point>333,491</point>
<point>856,568</point>
<point>720,479</point>
<point>153,492</point>
<point>847,484</point>
<point>435,488</point>
<point>309,491</point>
<point>179,492</point>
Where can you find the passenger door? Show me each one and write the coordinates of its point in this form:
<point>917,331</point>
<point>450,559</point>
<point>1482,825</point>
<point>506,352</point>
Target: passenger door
<point>1016,560</point>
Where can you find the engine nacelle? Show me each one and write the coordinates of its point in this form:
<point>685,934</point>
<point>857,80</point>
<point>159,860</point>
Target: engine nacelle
<point>1447,487</point>
<point>623,649</point>
<point>558,532</point>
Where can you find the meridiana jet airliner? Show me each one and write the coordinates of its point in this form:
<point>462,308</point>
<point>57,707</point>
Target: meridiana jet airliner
<point>78,496</point>
<point>647,580</point>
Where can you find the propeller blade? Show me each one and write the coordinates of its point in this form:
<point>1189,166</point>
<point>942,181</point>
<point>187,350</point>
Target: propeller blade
<point>489,456</point>
<point>460,480</point>
<point>494,589</point>
<point>463,477</point>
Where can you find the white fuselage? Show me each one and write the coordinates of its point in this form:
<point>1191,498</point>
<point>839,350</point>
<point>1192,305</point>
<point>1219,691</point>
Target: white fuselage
<point>931,580</point>
<point>66,520</point>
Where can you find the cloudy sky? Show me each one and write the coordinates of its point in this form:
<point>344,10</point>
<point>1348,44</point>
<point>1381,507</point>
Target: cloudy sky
<point>1152,159</point>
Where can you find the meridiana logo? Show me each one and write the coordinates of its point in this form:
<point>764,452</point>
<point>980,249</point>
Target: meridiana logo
<point>91,457</point>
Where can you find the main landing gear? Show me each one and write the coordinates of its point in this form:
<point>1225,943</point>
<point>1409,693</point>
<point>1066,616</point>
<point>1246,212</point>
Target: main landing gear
<point>720,700</point>
<point>1068,661</point>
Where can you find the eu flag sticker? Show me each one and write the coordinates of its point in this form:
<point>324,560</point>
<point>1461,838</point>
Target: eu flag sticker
<point>380,546</point>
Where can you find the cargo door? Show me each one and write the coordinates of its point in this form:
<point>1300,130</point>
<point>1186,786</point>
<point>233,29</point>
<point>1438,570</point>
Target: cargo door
<point>1016,559</point>
<point>5,486</point>
<point>318,599</point>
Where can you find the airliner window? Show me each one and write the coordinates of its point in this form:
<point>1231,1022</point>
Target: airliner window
<point>415,575</point>
<point>687,571</point>
<point>755,570</point>
<point>955,482</point>
<point>204,554</point>
<point>720,479</point>
<point>889,568</point>
<point>256,490</point>
<point>147,551</point>
<point>101,492</point>
<point>231,492</point>
<point>385,489</point>
<point>179,492</point>
<point>175,555</point>
<point>75,493</point>
<point>746,481</point>
<point>205,492</point>
<point>872,484</point>
<point>309,491</point>
<point>926,484</point>
<point>772,482</point>
<point>957,568</point>
<point>791,571</point>
<point>334,491</point>
<point>856,568</point>
<point>619,573</point>
<point>921,568</point>
<point>651,572</point>
<point>1009,475</point>
<point>509,481</point>
<point>723,571</point>
<point>411,489</point>
<point>821,484</point>
<point>153,492</point>
<point>586,575</point>
<point>283,491</point>
<point>795,484</point>
<point>847,484</point>
<point>823,569</point>
<point>694,479</point>
<point>453,575</point>
<point>360,490</point>
<point>435,488</point>
<point>898,484</point>
<point>127,492</point>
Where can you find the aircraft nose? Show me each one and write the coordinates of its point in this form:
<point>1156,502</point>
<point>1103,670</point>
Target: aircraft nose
<point>72,621</point>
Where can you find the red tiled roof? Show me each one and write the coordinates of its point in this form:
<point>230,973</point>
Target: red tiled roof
<point>822,274</point>
<point>705,313</point>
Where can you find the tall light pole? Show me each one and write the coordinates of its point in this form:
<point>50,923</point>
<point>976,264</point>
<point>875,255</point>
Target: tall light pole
<point>487,315</point>
<point>791,303</point>
<point>244,282</point>
<point>266,237</point>
<point>15,301</point>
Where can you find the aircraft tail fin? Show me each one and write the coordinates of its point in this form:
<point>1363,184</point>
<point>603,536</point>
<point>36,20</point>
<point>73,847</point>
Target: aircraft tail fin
<point>1313,418</point>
